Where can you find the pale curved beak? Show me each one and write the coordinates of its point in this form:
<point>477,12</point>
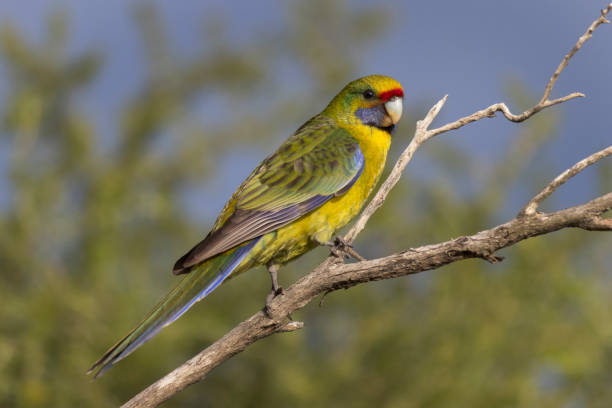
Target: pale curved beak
<point>394,108</point>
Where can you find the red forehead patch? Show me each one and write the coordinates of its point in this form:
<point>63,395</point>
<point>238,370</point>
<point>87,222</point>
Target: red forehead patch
<point>385,96</point>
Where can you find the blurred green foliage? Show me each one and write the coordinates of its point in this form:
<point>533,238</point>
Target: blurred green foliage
<point>92,227</point>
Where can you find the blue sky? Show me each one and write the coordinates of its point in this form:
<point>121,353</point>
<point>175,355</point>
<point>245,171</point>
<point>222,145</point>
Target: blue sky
<point>464,48</point>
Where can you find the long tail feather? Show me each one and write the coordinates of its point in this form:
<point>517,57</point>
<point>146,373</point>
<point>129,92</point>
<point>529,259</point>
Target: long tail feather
<point>194,287</point>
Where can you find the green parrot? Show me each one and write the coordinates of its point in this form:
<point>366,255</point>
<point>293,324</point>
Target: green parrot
<point>296,199</point>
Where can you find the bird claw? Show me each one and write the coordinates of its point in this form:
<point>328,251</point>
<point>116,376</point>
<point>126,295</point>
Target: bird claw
<point>343,250</point>
<point>273,293</point>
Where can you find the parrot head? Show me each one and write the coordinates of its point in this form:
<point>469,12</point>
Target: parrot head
<point>374,100</point>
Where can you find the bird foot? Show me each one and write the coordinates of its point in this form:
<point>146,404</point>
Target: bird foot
<point>342,249</point>
<point>276,290</point>
<point>273,293</point>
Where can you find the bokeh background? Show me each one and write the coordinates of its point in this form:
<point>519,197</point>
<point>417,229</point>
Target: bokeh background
<point>125,125</point>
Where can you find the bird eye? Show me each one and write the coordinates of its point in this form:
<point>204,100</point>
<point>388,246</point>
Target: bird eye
<point>368,94</point>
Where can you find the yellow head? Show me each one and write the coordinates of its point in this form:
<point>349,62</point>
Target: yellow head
<point>374,100</point>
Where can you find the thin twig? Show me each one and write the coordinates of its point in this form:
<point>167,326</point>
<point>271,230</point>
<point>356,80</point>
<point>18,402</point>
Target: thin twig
<point>533,204</point>
<point>583,38</point>
<point>490,111</point>
<point>420,136</point>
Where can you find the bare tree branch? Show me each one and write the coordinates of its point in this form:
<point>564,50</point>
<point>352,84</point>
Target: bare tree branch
<point>584,38</point>
<point>533,204</point>
<point>332,274</point>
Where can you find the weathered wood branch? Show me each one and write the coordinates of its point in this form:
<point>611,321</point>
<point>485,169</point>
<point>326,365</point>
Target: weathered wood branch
<point>332,274</point>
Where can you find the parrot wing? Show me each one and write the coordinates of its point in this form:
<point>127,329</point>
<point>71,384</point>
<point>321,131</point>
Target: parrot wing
<point>318,162</point>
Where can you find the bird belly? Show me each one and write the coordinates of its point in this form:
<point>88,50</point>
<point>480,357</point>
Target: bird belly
<point>300,236</point>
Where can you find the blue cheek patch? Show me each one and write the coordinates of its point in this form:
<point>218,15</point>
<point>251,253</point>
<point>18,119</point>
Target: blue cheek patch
<point>371,116</point>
